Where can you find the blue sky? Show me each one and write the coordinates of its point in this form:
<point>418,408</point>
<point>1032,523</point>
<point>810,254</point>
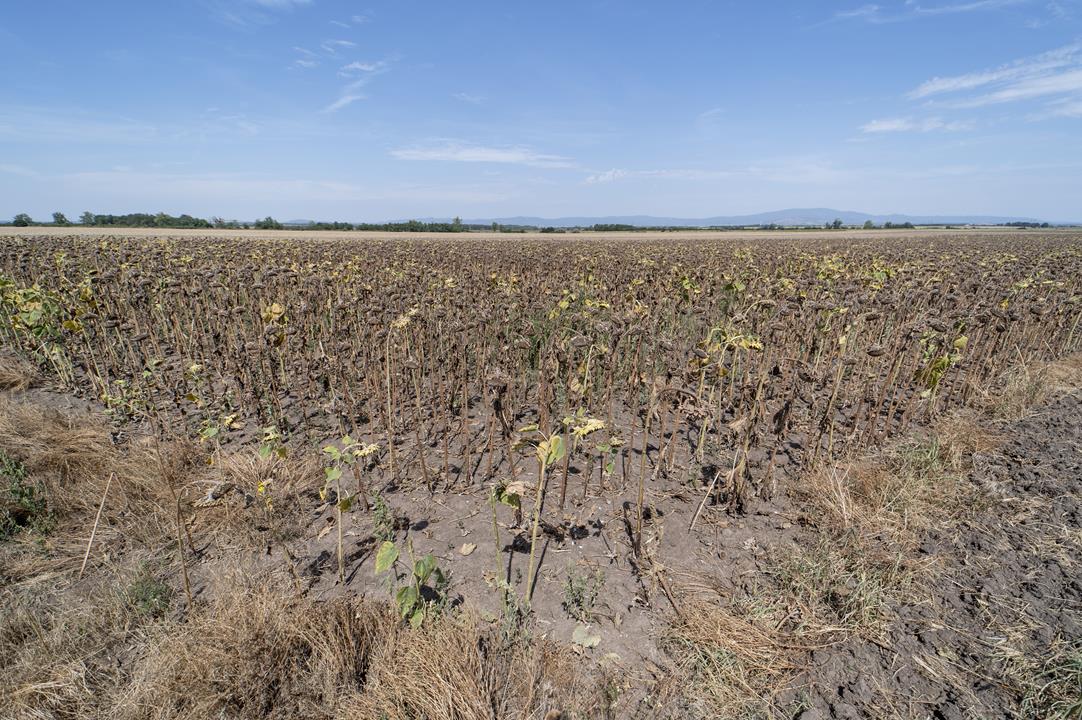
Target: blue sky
<point>367,110</point>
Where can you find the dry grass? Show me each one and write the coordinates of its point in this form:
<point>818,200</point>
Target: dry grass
<point>47,441</point>
<point>280,509</point>
<point>65,651</point>
<point>260,652</point>
<point>843,585</point>
<point>732,658</point>
<point>122,643</point>
<point>903,490</point>
<point>1027,385</point>
<point>16,373</point>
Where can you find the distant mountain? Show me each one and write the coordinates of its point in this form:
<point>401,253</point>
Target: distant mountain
<point>794,216</point>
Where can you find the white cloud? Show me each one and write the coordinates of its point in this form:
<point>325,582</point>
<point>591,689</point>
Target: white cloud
<point>331,46</point>
<point>963,7</point>
<point>351,92</point>
<point>359,19</point>
<point>1053,78</point>
<point>305,63</point>
<point>361,67</point>
<point>1024,69</point>
<point>1066,108</point>
<point>340,24</point>
<point>888,125</point>
<point>617,175</point>
<point>344,100</point>
<point>878,15</point>
<point>1060,84</point>
<point>452,151</point>
<point>467,98</point>
<point>608,176</point>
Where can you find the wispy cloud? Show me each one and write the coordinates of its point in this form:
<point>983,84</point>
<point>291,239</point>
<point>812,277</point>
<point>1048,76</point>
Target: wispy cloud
<point>880,15</point>
<point>247,14</point>
<point>907,124</point>
<point>362,74</point>
<point>453,151</point>
<point>280,4</point>
<point>1054,76</point>
<point>307,59</point>
<point>617,175</point>
<point>468,98</point>
<point>353,21</point>
<point>353,68</point>
<point>331,47</point>
<point>1025,69</point>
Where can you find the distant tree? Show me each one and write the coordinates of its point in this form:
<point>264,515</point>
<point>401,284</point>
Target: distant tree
<point>456,224</point>
<point>60,219</point>
<point>495,226</point>
<point>268,223</point>
<point>869,225</point>
<point>87,218</point>
<point>837,224</point>
<point>22,220</point>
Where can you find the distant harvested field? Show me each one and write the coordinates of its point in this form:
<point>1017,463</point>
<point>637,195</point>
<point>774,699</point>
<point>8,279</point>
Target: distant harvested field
<point>705,235</point>
<point>680,475</point>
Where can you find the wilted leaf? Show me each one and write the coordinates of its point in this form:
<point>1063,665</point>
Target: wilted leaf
<point>385,556</point>
<point>424,567</point>
<point>585,637</point>
<point>407,598</point>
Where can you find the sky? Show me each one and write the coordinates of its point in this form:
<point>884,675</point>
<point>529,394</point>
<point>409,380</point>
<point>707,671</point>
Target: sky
<point>362,110</point>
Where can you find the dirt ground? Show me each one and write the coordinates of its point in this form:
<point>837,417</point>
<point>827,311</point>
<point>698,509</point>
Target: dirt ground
<point>938,578</point>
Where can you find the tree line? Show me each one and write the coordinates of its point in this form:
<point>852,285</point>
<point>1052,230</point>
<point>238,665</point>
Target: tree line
<point>164,220</point>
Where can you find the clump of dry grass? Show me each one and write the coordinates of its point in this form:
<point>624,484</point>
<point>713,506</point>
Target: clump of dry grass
<point>458,668</point>
<point>258,654</point>
<point>262,653</point>
<point>1027,385</point>
<point>65,652</point>
<point>268,492</point>
<point>17,374</point>
<point>907,488</point>
<point>841,585</point>
<point>45,440</point>
<point>732,657</point>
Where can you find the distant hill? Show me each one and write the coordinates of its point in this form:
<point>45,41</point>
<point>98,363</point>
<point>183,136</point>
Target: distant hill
<point>793,216</point>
